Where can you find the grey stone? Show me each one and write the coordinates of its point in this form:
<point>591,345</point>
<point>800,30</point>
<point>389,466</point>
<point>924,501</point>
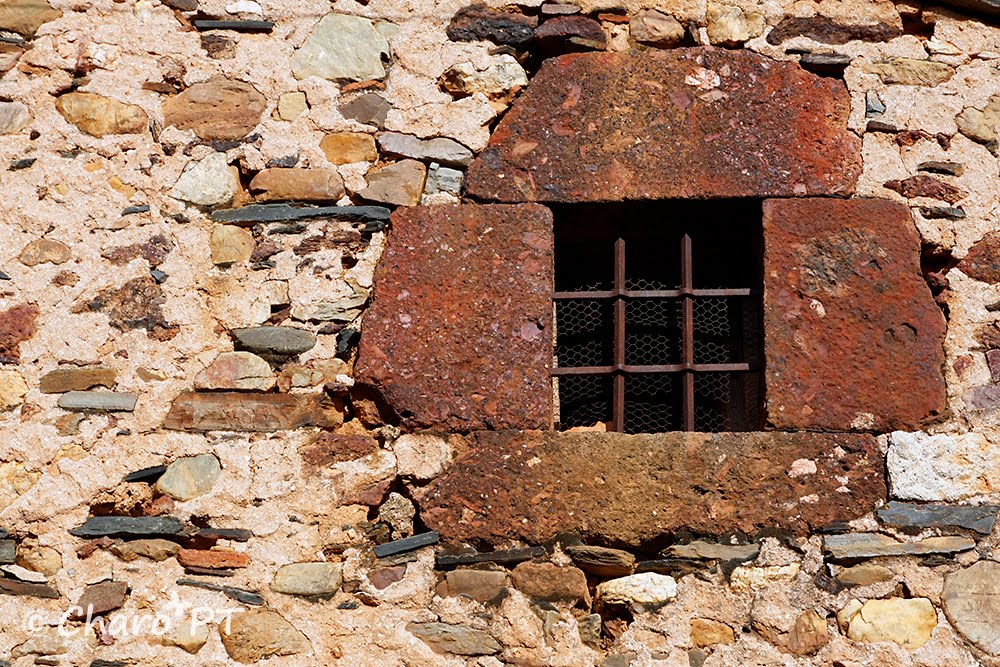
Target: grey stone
<point>24,574</point>
<point>369,109</point>
<point>481,585</point>
<point>971,600</point>
<point>407,544</point>
<point>439,149</point>
<point>825,64</point>
<point>559,9</point>
<point>857,546</point>
<point>280,341</point>
<point>342,47</point>
<point>400,183</point>
<point>207,182</point>
<point>8,551</point>
<point>127,526</point>
<point>308,579</point>
<point>248,216</point>
<point>448,638</point>
<point>602,561</point>
<point>589,628</point>
<point>911,515</point>
<point>345,310</point>
<point>942,212</point>
<point>507,556</point>
<point>941,467</point>
<point>14,117</point>
<point>713,551</point>
<point>873,104</point>
<point>238,594</point>
<point>190,477</point>
<point>238,26</point>
<point>443,179</point>
<point>98,401</point>
<point>27,589</point>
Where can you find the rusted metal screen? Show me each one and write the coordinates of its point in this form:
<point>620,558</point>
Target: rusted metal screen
<point>643,347</point>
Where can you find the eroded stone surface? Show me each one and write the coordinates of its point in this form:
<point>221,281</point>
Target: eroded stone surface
<point>843,294</point>
<point>535,485</point>
<point>226,411</point>
<point>983,260</point>
<point>462,340</point>
<point>942,467</point>
<point>972,603</point>
<point>907,622</point>
<point>679,123</point>
<point>242,371</point>
<point>17,324</point>
<point>66,379</point>
<point>855,546</point>
<point>458,639</point>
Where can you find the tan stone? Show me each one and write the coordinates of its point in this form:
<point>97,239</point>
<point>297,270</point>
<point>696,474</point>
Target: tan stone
<point>980,124</point>
<point>154,549</point>
<point>421,456</point>
<point>292,105</point>
<point>126,499</point>
<point>44,251</point>
<point>748,578</point>
<point>706,632</point>
<point>349,147</point>
<point>655,28</point>
<point>70,378</point>
<point>730,25</point>
<point>864,575</point>
<point>400,183</point>
<point>550,582</point>
<point>99,116</point>
<point>907,622</point>
<point>190,477</point>
<point>217,109</point>
<point>13,389</point>
<point>242,371</point>
<point>972,603</point>
<point>230,245</point>
<point>26,16</point>
<point>255,635</point>
<point>309,185</point>
<point>191,635</point>
<point>911,71</point>
<point>809,634</point>
<point>212,559</point>
<point>37,558</point>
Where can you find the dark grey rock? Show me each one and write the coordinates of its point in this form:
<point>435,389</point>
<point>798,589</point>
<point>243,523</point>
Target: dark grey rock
<point>27,589</point>
<point>256,213</point>
<point>873,104</point>
<point>286,162</point>
<point>98,401</point>
<point>23,163</point>
<point>159,276</point>
<point>238,26</point>
<point>989,7</point>
<point>942,212</point>
<point>135,209</point>
<point>238,594</point>
<point>825,64</point>
<point>508,556</point>
<point>912,515</point>
<point>8,552</point>
<point>127,526</point>
<point>407,544</point>
<point>234,534</point>
<point>859,546</point>
<point>370,109</point>
<point>182,5</point>
<point>148,475</point>
<point>279,341</point>
<point>439,149</point>
<point>941,167</point>
<point>4,276</point>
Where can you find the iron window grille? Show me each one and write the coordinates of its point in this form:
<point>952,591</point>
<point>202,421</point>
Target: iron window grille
<point>668,337</point>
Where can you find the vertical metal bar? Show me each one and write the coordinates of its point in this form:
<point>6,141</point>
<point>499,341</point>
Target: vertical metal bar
<point>618,411</point>
<point>687,332</point>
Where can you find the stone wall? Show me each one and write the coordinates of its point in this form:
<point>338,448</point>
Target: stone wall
<point>192,219</point>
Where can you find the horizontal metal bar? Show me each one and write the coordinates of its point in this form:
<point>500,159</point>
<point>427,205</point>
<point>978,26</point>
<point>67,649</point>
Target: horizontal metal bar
<point>651,294</point>
<point>637,370</point>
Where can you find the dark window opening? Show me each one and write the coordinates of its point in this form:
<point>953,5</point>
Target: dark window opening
<point>659,314</point>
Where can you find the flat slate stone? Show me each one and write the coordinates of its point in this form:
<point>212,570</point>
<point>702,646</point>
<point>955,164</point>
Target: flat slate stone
<point>534,485</point>
<point>281,341</point>
<point>678,123</point>
<point>27,589</point>
<point>501,557</point>
<point>714,551</point>
<point>238,411</point>
<point>407,544</point>
<point>602,561</point>
<point>439,149</point>
<point>62,380</point>
<point>238,26</point>
<point>462,340</point>
<point>457,639</point>
<point>238,594</point>
<point>8,551</point>
<point>247,216</point>
<point>913,515</point>
<point>850,323</point>
<point>857,546</point>
<point>98,401</point>
<point>127,526</point>
<point>234,534</point>
<point>148,475</point>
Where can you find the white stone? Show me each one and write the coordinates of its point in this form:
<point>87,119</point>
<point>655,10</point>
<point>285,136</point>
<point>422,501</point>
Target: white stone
<point>907,622</point>
<point>648,589</point>
<point>307,579</point>
<point>342,47</point>
<point>942,467</point>
<point>207,182</point>
<point>191,477</point>
<point>501,76</point>
<point>421,456</point>
<point>191,635</point>
<point>244,7</point>
<point>14,117</point>
<point>24,574</point>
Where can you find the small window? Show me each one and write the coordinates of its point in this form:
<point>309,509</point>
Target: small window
<point>658,312</point>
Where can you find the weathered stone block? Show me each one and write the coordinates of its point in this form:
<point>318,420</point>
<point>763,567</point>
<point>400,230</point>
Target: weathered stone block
<point>682,123</point>
<point>234,411</point>
<point>533,485</point>
<point>854,340</point>
<point>459,332</point>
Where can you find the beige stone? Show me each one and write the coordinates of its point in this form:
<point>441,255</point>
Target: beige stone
<point>864,575</point>
<point>153,549</point>
<point>972,603</point>
<point>809,634</point>
<point>421,456</point>
<point>190,477</point>
<point>502,76</point>
<point>907,622</point>
<point>230,245</point>
<point>26,16</point>
<point>349,147</point>
<point>14,116</point>
<point>342,47</point>
<point>706,632</point>
<point>308,185</point>
<point>37,558</point>
<point>656,28</point>
<point>99,116</point>
<point>13,389</point>
<point>729,25</point>
<point>44,251</point>
<point>980,124</point>
<point>242,371</point>
<point>748,578</point>
<point>400,183</point>
<point>191,635</point>
<point>207,182</point>
<point>292,105</point>
<point>911,71</point>
<point>255,635</point>
<point>217,109</point>
<point>15,481</point>
<point>308,579</point>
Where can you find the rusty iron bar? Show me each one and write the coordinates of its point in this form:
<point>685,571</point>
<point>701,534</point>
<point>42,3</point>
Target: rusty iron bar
<point>687,332</point>
<point>618,413</point>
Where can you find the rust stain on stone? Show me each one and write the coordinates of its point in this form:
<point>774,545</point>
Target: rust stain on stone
<point>854,340</point>
<point>691,122</point>
<point>633,489</point>
<point>17,325</point>
<point>459,332</point>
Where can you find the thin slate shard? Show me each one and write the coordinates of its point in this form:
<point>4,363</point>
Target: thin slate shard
<point>238,594</point>
<point>148,475</point>
<point>407,544</point>
<point>127,526</point>
<point>238,26</point>
<point>505,556</point>
<point>255,213</point>
<point>916,516</point>
<point>98,401</point>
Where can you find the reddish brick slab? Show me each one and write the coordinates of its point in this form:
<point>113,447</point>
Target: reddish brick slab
<point>459,333</point>
<point>682,123</point>
<point>633,489</point>
<point>853,338</point>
